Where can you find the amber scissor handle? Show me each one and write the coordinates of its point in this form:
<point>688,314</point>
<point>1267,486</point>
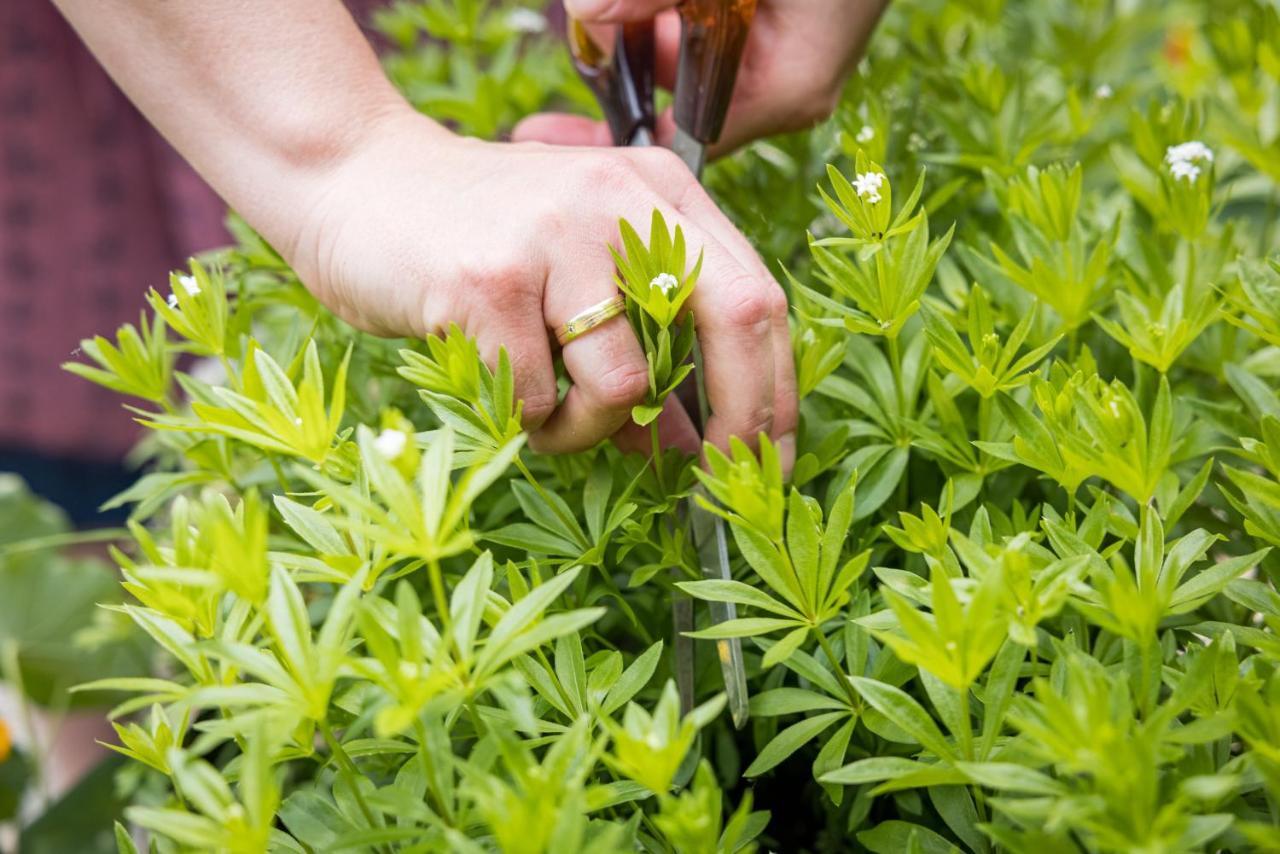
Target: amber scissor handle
<point>621,78</point>
<point>713,34</point>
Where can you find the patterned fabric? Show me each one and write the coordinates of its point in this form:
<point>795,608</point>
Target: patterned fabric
<point>94,208</point>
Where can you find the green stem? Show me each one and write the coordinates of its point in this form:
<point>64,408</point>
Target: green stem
<point>349,771</point>
<point>895,364</point>
<point>437,593</point>
<point>984,416</point>
<point>835,662</point>
<point>55,541</point>
<point>1191,270</point>
<point>442,809</point>
<point>232,381</point>
<point>564,696</point>
<point>966,726</point>
<point>275,466</point>
<point>657,457</point>
<point>476,721</point>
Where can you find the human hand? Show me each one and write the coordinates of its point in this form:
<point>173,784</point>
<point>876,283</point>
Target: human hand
<point>794,65</point>
<point>418,229</point>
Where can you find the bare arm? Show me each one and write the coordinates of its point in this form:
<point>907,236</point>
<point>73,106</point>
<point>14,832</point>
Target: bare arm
<point>264,99</point>
<point>401,228</point>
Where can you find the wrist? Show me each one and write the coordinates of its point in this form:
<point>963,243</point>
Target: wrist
<point>309,198</point>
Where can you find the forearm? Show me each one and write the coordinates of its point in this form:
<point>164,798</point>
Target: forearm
<point>263,97</point>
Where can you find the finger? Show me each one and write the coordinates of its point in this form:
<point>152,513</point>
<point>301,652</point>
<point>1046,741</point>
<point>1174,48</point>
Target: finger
<point>519,330</point>
<point>675,430</point>
<point>786,401</point>
<point>561,129</point>
<point>615,11</point>
<point>607,366</point>
<point>694,204</point>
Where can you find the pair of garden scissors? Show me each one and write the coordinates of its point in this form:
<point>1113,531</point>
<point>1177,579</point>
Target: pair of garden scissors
<point>712,36</point>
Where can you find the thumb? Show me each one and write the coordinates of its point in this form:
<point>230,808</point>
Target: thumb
<point>615,11</point>
<point>561,129</point>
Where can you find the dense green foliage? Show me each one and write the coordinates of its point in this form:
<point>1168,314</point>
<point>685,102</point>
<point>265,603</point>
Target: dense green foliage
<point>1016,595</point>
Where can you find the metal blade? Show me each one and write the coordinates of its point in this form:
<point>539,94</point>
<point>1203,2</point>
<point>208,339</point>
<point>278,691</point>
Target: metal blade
<point>712,544</point>
<point>692,152</point>
<point>713,556</point>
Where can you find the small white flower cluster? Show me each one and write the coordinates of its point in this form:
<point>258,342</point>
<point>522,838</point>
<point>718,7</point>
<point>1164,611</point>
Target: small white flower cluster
<point>665,282</point>
<point>524,20</point>
<point>866,134</point>
<point>1182,159</point>
<point>390,443</point>
<point>868,184</point>
<point>1104,92</point>
<point>187,282</point>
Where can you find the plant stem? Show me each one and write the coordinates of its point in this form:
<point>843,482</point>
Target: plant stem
<point>966,726</point>
<point>348,769</point>
<point>564,696</point>
<point>895,364</point>
<point>275,466</point>
<point>420,730</point>
<point>835,662</point>
<point>656,459</point>
<point>437,593</point>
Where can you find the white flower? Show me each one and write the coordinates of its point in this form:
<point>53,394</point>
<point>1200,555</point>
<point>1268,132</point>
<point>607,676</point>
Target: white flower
<point>867,134</point>
<point>526,21</point>
<point>1184,169</point>
<point>1190,151</point>
<point>390,443</point>
<point>189,285</point>
<point>915,142</point>
<point>1183,157</point>
<point>665,282</point>
<point>868,184</point>
<point>1103,92</point>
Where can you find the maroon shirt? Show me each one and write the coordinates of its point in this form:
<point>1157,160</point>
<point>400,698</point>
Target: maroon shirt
<point>94,208</point>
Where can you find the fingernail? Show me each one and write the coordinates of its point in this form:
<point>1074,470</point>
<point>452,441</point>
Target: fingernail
<point>787,452</point>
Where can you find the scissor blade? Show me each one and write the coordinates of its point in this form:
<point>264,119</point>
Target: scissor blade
<point>713,556</point>
<point>692,152</point>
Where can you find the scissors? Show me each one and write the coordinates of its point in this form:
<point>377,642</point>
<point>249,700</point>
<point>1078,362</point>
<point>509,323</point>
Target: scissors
<point>712,36</point>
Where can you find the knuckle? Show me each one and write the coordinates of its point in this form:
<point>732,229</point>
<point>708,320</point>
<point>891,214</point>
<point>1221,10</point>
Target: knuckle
<point>623,385</point>
<point>749,305</point>
<point>777,301</point>
<point>665,162</point>
<point>608,173</point>
<point>538,406</point>
<point>754,422</point>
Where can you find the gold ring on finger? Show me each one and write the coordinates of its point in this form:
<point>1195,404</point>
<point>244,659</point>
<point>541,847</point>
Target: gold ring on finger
<point>586,320</point>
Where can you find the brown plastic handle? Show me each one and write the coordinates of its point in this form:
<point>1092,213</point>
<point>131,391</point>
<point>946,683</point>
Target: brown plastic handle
<point>622,80</point>
<point>712,36</point>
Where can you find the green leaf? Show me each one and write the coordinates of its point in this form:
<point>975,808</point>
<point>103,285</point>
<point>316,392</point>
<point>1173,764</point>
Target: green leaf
<point>790,740</point>
<point>899,707</point>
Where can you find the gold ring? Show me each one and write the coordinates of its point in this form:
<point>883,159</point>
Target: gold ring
<point>584,321</point>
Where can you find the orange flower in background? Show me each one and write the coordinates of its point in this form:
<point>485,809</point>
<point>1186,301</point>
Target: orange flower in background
<point>1177,44</point>
<point>5,741</point>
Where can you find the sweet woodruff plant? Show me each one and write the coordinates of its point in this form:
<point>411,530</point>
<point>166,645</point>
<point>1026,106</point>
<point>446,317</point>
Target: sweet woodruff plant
<point>1016,595</point>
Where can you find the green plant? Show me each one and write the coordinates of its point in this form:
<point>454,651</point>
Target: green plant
<point>1018,595</point>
